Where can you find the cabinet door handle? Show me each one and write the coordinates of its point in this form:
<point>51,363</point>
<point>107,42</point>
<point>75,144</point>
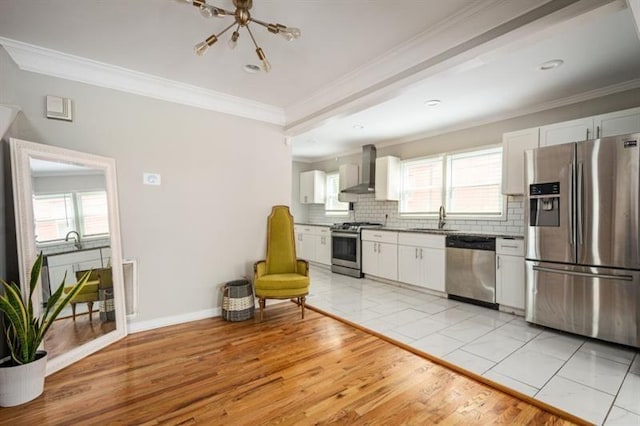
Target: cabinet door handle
<point>508,246</point>
<point>416,252</point>
<point>587,135</point>
<point>597,132</point>
<point>420,253</point>
<point>379,248</point>
<point>497,262</point>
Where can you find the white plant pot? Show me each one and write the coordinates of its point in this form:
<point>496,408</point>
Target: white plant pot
<point>22,383</point>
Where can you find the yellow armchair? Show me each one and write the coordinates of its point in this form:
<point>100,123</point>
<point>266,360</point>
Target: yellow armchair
<point>90,293</point>
<point>281,275</point>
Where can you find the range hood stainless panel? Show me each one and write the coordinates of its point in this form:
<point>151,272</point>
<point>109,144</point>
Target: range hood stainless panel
<point>367,183</point>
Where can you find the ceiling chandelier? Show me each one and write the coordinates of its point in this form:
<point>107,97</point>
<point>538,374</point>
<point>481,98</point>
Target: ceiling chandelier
<point>242,19</point>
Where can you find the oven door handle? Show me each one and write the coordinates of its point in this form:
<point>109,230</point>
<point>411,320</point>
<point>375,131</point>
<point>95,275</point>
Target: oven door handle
<point>345,235</point>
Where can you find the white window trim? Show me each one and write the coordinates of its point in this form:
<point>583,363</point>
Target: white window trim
<point>501,217</point>
<point>334,212</point>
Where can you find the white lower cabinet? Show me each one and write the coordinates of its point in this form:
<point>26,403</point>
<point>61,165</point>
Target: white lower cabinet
<point>510,287</point>
<point>421,260</point>
<point>313,243</point>
<point>380,254</point>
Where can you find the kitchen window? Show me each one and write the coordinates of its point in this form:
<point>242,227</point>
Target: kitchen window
<point>467,184</point>
<point>57,214</point>
<point>333,206</point>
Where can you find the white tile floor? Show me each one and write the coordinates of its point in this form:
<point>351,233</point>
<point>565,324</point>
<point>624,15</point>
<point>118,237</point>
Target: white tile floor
<point>596,381</point>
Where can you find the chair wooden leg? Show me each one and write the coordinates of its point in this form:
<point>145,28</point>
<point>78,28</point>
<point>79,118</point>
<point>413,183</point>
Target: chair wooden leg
<point>73,310</point>
<point>90,311</point>
<point>261,302</point>
<point>301,300</point>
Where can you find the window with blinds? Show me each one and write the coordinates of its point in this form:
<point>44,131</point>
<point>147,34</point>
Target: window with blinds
<point>421,186</point>
<point>332,205</point>
<point>467,184</point>
<point>57,214</point>
<point>474,183</point>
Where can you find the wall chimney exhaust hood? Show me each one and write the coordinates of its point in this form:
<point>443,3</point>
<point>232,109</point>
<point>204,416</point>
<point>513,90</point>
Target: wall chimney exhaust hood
<point>7,115</point>
<point>367,183</point>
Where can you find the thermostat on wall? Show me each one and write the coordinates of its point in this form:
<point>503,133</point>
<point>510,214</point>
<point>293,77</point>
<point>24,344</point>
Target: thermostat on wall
<point>151,178</point>
<point>59,108</point>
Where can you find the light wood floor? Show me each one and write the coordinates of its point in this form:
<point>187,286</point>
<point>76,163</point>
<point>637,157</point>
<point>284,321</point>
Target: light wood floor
<point>284,370</point>
<point>67,333</point>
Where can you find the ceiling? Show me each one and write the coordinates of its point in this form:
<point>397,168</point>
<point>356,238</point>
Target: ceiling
<point>366,62</point>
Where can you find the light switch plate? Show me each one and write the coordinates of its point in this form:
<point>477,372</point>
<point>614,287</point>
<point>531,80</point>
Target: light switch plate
<point>151,179</point>
<point>59,108</point>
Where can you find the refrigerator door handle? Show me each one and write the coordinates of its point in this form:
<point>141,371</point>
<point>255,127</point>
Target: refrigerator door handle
<point>583,274</point>
<point>579,204</point>
<point>572,234</point>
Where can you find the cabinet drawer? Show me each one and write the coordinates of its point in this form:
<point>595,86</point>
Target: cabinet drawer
<point>510,246</point>
<point>421,240</point>
<point>312,230</point>
<point>323,231</point>
<point>380,236</point>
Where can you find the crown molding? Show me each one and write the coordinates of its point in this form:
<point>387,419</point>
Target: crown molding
<point>50,62</point>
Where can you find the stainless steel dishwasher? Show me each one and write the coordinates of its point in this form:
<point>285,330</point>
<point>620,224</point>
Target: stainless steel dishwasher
<point>471,269</point>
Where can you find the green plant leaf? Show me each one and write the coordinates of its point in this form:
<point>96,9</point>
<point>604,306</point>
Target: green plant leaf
<point>72,293</point>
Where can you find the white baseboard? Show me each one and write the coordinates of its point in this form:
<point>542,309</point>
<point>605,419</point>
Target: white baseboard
<point>138,326</point>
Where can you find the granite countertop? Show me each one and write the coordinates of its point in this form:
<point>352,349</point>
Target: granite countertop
<point>430,231</point>
<point>452,231</point>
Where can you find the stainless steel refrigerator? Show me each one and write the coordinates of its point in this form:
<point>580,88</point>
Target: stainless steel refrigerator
<point>582,238</point>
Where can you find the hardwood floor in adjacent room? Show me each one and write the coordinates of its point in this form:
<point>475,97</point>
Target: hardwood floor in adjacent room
<point>284,370</point>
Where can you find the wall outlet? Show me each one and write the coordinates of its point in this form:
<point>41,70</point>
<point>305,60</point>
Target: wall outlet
<point>151,179</point>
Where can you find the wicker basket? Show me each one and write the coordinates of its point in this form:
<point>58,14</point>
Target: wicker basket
<point>238,303</point>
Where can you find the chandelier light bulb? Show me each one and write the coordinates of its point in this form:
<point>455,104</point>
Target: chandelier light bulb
<point>233,41</point>
<point>201,48</point>
<point>266,65</point>
<point>295,32</point>
<point>206,11</point>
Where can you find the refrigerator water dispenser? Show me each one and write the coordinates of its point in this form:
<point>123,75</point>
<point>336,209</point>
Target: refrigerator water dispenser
<point>544,204</point>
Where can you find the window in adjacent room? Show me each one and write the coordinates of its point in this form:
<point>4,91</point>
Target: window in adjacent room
<point>57,214</point>
<point>474,183</point>
<point>421,186</point>
<point>332,205</point>
<point>467,184</point>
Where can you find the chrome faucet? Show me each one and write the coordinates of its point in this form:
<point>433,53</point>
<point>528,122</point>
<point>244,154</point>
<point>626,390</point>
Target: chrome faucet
<point>441,215</point>
<point>76,238</point>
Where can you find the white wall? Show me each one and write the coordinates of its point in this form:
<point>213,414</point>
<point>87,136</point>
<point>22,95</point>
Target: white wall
<point>206,223</point>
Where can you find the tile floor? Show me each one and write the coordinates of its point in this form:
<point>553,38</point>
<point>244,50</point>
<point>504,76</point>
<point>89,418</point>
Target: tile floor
<point>596,381</point>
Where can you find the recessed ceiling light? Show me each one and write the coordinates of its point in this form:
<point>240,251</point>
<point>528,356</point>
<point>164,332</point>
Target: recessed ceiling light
<point>432,102</point>
<point>251,68</point>
<point>549,65</point>
<point>358,126</point>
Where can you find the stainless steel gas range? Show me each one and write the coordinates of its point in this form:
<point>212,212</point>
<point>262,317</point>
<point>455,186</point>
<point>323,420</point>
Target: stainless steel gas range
<point>346,247</point>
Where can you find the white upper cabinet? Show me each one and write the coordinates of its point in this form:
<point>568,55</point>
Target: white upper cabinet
<point>514,144</point>
<point>617,123</point>
<point>567,131</point>
<point>388,178</point>
<point>312,185</point>
<point>348,178</point>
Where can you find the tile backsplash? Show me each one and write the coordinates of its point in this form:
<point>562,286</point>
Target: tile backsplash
<point>368,209</point>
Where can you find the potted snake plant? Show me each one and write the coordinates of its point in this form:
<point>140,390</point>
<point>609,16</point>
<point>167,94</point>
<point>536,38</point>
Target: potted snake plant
<point>22,375</point>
